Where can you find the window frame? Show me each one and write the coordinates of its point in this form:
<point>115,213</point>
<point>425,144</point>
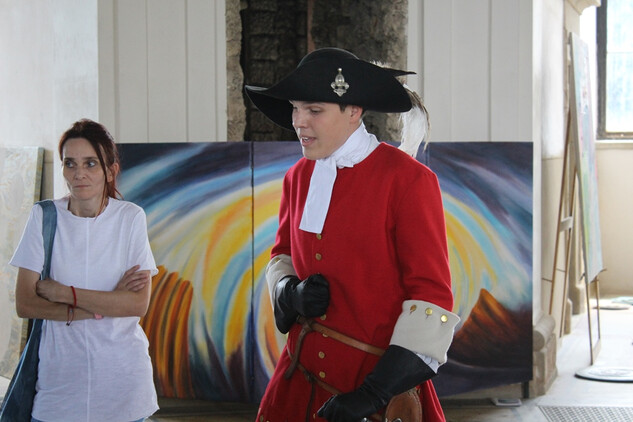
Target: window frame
<point>601,52</point>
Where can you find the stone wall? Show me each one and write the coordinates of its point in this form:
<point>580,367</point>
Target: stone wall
<point>236,110</point>
<point>276,34</point>
<point>274,41</point>
<point>374,30</point>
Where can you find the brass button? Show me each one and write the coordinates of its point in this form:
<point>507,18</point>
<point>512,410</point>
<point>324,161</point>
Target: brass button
<point>429,311</point>
<point>318,256</point>
<point>443,318</point>
<point>321,355</point>
<point>321,374</point>
<point>323,317</point>
<point>413,308</point>
<point>318,236</point>
<point>325,335</point>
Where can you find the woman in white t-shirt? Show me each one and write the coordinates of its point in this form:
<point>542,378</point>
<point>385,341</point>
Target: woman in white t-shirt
<point>94,361</point>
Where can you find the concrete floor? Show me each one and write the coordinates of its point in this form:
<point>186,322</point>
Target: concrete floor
<point>566,391</point>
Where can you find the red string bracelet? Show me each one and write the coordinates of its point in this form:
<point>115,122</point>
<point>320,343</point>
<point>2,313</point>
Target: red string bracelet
<point>70,312</point>
<point>74,296</point>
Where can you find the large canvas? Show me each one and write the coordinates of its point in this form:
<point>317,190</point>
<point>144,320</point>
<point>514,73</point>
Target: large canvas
<point>198,201</point>
<point>583,144</point>
<point>487,194</point>
<point>212,216</point>
<point>584,148</point>
<point>20,185</point>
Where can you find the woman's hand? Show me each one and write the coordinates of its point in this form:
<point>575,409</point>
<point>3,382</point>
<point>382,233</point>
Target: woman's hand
<point>133,280</point>
<point>54,291</point>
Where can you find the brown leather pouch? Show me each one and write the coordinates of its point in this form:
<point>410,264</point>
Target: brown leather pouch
<point>404,407</point>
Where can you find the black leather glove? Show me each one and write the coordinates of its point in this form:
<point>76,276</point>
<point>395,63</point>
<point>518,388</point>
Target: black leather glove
<point>294,297</point>
<point>397,371</point>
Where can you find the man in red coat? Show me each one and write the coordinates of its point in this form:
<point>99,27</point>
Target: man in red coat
<point>359,274</point>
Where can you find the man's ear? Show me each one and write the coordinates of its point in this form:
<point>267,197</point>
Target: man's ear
<point>356,112</point>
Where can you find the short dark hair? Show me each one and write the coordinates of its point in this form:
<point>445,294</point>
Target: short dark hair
<point>344,106</point>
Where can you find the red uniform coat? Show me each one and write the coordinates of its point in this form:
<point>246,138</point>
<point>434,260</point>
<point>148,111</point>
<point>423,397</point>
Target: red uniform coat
<point>383,242</point>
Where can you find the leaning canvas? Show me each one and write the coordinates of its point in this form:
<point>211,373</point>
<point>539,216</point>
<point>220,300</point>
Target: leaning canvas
<point>20,184</point>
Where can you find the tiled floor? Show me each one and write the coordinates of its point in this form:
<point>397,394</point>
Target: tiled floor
<point>566,391</point>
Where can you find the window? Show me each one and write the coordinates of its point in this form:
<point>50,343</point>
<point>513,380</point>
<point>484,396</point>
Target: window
<point>615,69</point>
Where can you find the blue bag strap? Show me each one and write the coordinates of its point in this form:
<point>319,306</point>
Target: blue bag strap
<point>18,400</point>
<point>49,225</point>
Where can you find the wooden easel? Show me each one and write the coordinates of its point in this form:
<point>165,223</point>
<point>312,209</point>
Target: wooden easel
<point>566,226</point>
<point>594,342</point>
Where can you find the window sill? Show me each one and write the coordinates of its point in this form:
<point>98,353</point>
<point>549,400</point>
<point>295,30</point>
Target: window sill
<point>614,144</point>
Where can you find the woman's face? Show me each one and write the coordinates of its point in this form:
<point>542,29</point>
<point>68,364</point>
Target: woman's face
<point>322,127</point>
<point>84,175</point>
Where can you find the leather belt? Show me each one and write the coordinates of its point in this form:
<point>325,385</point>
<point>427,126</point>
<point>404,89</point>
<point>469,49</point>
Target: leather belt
<point>308,325</point>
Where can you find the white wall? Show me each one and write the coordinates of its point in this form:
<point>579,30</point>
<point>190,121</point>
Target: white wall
<point>150,70</point>
<point>162,70</point>
<point>478,69</point>
<point>48,74</point>
<point>553,52</point>
<point>615,191</point>
<point>479,80</point>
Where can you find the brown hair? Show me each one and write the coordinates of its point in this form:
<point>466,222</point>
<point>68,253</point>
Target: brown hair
<point>344,106</point>
<point>104,146</point>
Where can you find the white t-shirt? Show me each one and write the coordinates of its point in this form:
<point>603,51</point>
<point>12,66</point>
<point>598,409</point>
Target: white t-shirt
<point>93,370</point>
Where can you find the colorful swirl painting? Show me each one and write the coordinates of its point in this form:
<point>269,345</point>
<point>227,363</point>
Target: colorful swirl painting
<point>212,218</point>
<point>487,194</point>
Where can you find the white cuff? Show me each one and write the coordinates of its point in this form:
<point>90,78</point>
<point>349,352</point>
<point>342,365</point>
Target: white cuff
<point>425,329</point>
<point>431,363</point>
<point>278,267</point>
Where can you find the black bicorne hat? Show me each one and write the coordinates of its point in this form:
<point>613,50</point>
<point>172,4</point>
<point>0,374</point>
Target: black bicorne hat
<point>332,75</point>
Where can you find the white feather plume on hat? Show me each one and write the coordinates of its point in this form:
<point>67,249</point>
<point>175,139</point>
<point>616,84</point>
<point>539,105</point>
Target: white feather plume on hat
<point>415,125</point>
<point>415,122</point>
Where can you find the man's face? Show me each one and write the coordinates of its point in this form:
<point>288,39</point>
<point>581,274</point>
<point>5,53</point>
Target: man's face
<point>322,127</point>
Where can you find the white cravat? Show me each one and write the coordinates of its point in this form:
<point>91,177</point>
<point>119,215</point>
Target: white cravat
<point>357,147</point>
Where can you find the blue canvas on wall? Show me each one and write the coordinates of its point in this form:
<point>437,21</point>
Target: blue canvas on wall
<point>487,193</point>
